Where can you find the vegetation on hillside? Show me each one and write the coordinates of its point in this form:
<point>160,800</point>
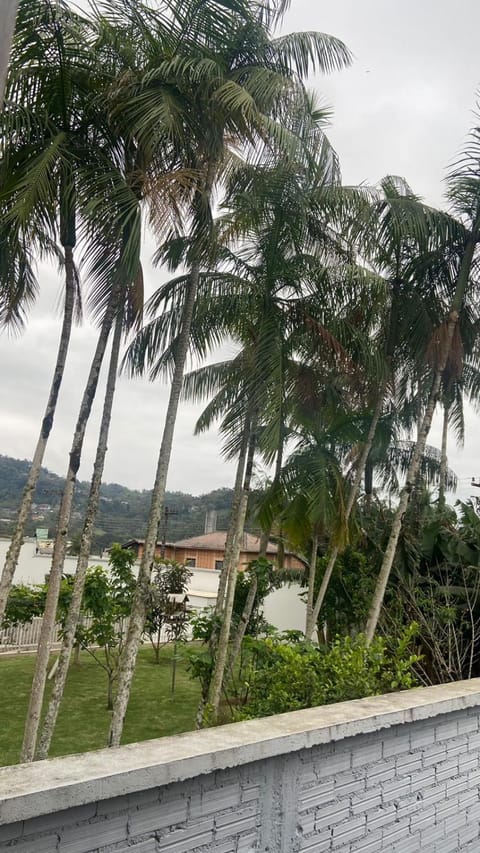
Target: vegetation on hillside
<point>122,513</point>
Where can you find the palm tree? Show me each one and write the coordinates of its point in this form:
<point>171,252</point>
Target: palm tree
<point>257,296</point>
<point>45,154</point>
<point>248,82</point>
<point>399,228</point>
<point>115,224</point>
<point>85,547</point>
<point>463,186</point>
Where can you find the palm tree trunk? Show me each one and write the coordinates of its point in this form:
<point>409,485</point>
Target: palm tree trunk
<point>232,526</point>
<point>244,620</point>
<point>232,568</point>
<point>443,461</point>
<point>369,472</point>
<point>414,467</point>
<point>13,552</point>
<point>262,553</point>
<point>362,463</point>
<point>309,623</point>
<point>137,618</point>
<point>264,542</point>
<point>406,493</point>
<point>85,548</point>
<point>60,546</point>
<point>236,501</point>
<point>202,212</point>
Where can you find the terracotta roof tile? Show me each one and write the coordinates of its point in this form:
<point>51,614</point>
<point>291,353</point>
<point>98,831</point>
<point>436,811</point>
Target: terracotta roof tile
<point>216,542</point>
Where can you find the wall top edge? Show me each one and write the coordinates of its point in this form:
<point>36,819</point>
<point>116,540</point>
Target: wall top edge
<point>30,790</point>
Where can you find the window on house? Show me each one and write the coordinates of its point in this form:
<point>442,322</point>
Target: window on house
<point>218,565</point>
<point>191,562</point>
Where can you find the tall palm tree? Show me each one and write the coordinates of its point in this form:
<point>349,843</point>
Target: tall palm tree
<point>46,154</point>
<point>115,221</point>
<point>463,192</point>
<point>255,296</point>
<point>248,82</point>
<point>399,228</point>
<point>85,547</point>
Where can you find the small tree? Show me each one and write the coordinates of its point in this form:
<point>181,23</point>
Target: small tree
<point>107,602</point>
<point>170,580</point>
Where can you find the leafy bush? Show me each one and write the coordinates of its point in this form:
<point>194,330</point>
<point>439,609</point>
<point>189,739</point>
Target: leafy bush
<point>289,676</point>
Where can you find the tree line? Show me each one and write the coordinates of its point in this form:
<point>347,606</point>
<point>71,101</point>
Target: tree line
<point>352,310</point>
<point>122,512</point>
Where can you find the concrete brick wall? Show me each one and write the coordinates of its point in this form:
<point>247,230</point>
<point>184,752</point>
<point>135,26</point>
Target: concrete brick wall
<point>395,773</point>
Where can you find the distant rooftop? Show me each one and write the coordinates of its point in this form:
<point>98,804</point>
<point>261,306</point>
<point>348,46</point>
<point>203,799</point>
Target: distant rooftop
<point>214,542</point>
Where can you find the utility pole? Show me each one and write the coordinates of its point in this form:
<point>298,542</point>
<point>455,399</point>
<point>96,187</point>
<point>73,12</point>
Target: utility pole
<point>167,512</point>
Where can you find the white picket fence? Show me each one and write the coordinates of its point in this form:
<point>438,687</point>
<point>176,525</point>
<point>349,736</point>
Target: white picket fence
<point>26,637</point>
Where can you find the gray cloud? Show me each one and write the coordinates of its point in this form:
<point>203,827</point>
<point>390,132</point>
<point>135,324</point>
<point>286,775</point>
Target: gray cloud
<point>403,108</point>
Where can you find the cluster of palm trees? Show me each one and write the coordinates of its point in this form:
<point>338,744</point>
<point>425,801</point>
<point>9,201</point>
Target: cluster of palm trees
<point>353,310</point>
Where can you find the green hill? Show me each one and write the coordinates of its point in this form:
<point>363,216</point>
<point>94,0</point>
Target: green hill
<point>123,512</point>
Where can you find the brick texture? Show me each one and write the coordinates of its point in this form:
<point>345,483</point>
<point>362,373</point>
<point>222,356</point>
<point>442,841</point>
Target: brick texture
<point>413,787</point>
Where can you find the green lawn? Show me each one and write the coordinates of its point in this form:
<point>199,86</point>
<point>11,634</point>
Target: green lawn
<point>84,720</point>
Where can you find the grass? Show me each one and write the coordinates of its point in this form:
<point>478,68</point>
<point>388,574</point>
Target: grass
<point>84,720</point>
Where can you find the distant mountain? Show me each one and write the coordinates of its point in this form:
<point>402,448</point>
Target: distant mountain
<point>123,512</point>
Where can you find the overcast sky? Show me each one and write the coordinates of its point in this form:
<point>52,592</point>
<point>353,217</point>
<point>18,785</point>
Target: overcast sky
<point>403,108</point>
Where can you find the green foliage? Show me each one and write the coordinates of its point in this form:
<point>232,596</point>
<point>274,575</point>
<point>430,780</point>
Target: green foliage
<point>107,602</point>
<point>23,603</point>
<point>437,584</point>
<point>289,676</point>
<point>26,601</point>
<point>200,660</point>
<point>122,512</point>
<point>349,593</point>
<point>267,578</point>
<point>169,579</point>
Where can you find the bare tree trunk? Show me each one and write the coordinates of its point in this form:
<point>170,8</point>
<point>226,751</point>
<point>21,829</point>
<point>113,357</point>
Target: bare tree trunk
<point>405,495</point>
<point>73,615</point>
<point>232,569</point>
<point>352,497</point>
<point>264,542</point>
<point>262,553</point>
<point>280,551</point>
<point>227,556</point>
<point>369,472</point>
<point>236,501</point>
<point>110,692</point>
<point>13,552</point>
<point>60,546</point>
<point>414,467</point>
<point>309,621</point>
<point>443,461</point>
<point>7,28</point>
<point>244,620</point>
<point>137,618</point>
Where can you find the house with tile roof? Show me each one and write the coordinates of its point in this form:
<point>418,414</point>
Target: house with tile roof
<point>208,551</point>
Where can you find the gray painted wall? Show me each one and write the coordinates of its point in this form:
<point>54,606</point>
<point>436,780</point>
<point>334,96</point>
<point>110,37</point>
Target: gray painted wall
<point>395,773</point>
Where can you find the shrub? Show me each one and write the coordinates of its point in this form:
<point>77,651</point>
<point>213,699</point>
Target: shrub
<point>289,676</point>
